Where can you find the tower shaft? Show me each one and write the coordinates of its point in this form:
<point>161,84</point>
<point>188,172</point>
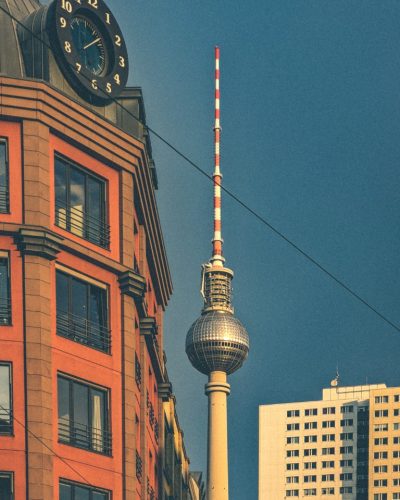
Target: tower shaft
<point>217,391</point>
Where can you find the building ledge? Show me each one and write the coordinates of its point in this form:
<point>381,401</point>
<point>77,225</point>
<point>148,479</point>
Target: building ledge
<point>40,242</point>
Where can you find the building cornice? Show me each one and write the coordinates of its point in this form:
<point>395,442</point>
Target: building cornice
<point>148,328</point>
<point>38,241</point>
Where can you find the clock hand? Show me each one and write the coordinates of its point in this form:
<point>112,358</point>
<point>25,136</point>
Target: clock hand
<point>91,43</point>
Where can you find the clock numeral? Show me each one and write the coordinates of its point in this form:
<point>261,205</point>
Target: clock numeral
<point>118,42</point>
<point>94,84</point>
<point>108,18</point>
<point>93,3</point>
<point>66,5</point>
<point>109,87</point>
<point>67,47</point>
<point>78,67</point>
<point>63,22</point>
<point>117,79</point>
<point>122,61</point>
<point>78,1</point>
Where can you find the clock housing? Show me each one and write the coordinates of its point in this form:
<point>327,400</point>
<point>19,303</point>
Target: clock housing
<point>89,48</point>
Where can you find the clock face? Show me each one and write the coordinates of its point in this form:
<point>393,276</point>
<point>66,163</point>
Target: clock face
<point>90,48</point>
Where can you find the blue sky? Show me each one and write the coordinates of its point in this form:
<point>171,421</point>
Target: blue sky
<point>311,125</point>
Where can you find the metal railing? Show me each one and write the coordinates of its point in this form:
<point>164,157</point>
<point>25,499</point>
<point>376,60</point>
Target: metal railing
<point>4,200</point>
<point>139,466</point>
<point>138,372</point>
<point>80,329</point>
<point>5,311</point>
<point>84,436</point>
<point>6,421</point>
<point>81,223</point>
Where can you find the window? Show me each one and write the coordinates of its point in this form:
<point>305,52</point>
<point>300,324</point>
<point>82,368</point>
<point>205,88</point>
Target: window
<point>293,413</point>
<point>4,190</point>
<point>328,437</point>
<point>396,440</point>
<point>396,426</point>
<point>346,409</point>
<point>346,489</point>
<point>292,479</point>
<point>328,464</point>
<point>310,465</point>
<point>328,491</point>
<point>83,419</point>
<point>293,440</point>
<point>396,496</point>
<point>310,439</point>
<point>396,468</point>
<point>396,482</point>
<point>80,203</point>
<point>310,425</point>
<point>328,477</point>
<point>310,479</point>
<point>346,476</point>
<point>329,411</point>
<point>292,493</point>
<point>6,486</point>
<point>381,399</point>
<point>312,411</point>
<point>6,414</point>
<point>292,453</point>
<point>310,492</point>
<point>310,452</point>
<point>328,423</point>
<point>396,454</point>
<point>346,463</point>
<point>346,422</point>
<point>77,491</point>
<point>380,441</point>
<point>82,312</point>
<point>396,398</point>
<point>292,466</point>
<point>328,451</point>
<point>380,482</point>
<point>292,427</point>
<point>381,413</point>
<point>396,412</point>
<point>381,454</point>
<point>346,436</point>
<point>382,496</point>
<point>346,449</point>
<point>381,427</point>
<point>5,298</point>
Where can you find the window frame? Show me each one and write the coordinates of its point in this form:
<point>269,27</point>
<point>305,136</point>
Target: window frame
<point>6,208</point>
<point>104,222</point>
<point>10,430</point>
<point>10,474</point>
<point>6,313</point>
<point>92,489</point>
<point>107,433</point>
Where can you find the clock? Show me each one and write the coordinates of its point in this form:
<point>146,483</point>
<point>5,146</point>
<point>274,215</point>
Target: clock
<point>89,47</point>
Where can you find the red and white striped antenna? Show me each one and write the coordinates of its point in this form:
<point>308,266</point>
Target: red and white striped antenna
<point>217,258</point>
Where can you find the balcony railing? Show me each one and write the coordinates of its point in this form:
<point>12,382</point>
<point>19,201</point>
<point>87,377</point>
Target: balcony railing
<point>80,329</point>
<point>139,466</point>
<point>156,430</point>
<point>79,222</point>
<point>5,311</point>
<point>6,421</point>
<point>4,200</point>
<point>84,436</point>
<point>138,372</point>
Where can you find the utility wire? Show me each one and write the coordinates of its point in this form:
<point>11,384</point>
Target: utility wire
<point>230,193</point>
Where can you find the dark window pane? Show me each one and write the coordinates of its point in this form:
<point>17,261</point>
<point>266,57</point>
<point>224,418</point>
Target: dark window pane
<point>79,298</point>
<point>80,401</point>
<point>95,205</point>
<point>4,292</point>
<point>100,496</point>
<point>65,492</point>
<point>62,292</point>
<point>6,488</point>
<point>81,493</point>
<point>64,410</point>
<point>4,190</point>
<point>98,306</point>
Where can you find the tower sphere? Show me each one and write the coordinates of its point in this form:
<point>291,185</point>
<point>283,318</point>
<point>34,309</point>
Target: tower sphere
<point>217,341</point>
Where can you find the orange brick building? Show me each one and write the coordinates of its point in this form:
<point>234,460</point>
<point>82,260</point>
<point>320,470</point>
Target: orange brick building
<point>84,278</point>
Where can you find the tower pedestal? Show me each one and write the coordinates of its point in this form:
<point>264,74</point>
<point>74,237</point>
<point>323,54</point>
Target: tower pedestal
<point>217,391</point>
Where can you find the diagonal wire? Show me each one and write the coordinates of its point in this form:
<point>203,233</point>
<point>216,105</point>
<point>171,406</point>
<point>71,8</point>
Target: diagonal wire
<point>230,193</point>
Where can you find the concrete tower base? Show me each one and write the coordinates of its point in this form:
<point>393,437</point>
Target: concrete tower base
<point>217,391</point>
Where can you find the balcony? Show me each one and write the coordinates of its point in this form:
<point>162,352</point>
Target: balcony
<point>81,223</point>
<point>83,331</point>
<point>139,466</point>
<point>6,421</point>
<point>4,200</point>
<point>83,436</point>
<point>5,311</point>
<point>138,372</point>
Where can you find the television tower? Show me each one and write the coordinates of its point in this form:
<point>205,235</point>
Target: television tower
<point>217,343</point>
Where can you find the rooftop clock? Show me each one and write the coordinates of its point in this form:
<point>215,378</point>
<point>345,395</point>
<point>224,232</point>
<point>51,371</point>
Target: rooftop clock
<point>90,48</point>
